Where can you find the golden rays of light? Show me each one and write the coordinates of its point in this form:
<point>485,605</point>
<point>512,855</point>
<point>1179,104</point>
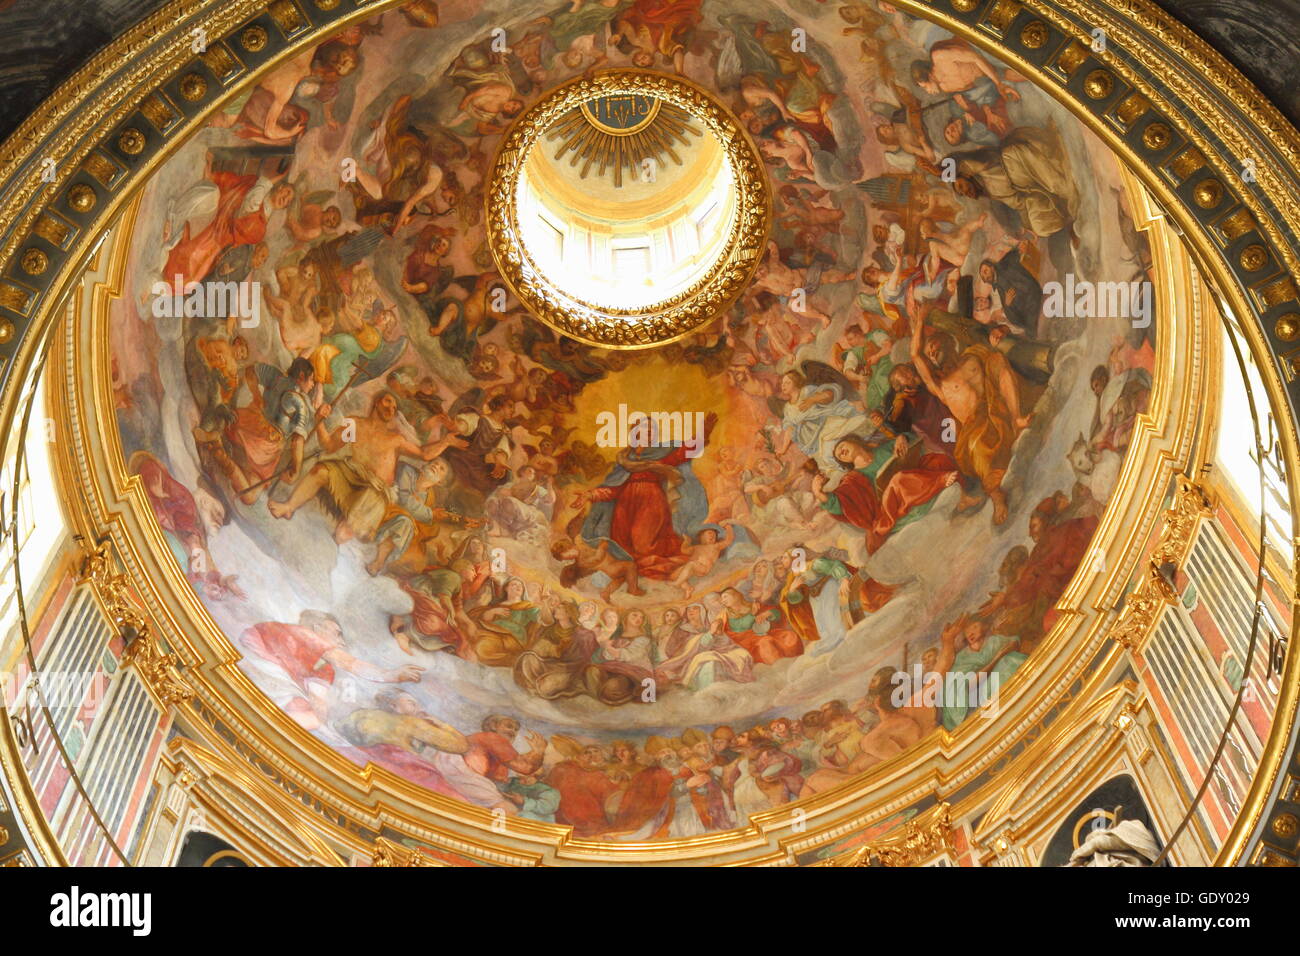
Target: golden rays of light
<point>621,143</point>
<point>661,385</point>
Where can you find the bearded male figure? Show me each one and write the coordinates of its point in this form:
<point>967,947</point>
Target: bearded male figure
<point>980,389</point>
<point>357,489</point>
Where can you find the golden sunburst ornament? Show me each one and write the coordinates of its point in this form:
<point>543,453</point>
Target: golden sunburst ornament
<point>622,132</point>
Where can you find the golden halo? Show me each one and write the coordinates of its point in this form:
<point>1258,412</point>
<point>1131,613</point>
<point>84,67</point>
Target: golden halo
<point>1088,817</point>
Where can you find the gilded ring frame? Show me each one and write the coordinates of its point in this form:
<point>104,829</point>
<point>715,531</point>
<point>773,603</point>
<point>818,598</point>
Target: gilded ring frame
<point>1171,107</point>
<point>661,322</point>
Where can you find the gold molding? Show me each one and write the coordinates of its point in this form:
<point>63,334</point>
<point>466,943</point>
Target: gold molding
<point>387,854</point>
<point>1155,591</point>
<point>210,777</point>
<point>115,593</point>
<point>84,114</point>
<point>1163,445</point>
<point>662,322</point>
<point>919,841</point>
<point>158,670</point>
<point>1181,85</point>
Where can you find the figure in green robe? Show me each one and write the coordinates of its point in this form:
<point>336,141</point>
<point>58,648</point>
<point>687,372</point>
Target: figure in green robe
<point>987,658</point>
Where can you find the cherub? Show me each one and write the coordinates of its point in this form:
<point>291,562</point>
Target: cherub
<point>542,458</point>
<point>298,287</point>
<point>789,145</point>
<point>485,364</point>
<point>309,220</point>
<point>728,492</point>
<point>782,335</point>
<point>703,554</point>
<point>801,211</point>
<point>587,560</point>
<point>783,494</point>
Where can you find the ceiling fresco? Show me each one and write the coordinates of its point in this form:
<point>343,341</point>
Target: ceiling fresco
<point>645,594</point>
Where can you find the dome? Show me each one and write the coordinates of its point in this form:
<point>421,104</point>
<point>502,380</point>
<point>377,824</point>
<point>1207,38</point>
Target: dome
<point>650,432</point>
<point>629,226</point>
<point>677,550</point>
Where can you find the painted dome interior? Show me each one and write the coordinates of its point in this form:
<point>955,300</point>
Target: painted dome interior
<point>504,565</point>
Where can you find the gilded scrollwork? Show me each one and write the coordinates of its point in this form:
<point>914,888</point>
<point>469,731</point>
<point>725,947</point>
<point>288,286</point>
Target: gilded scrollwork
<point>114,589</point>
<point>389,854</point>
<point>159,669</point>
<point>1155,591</point>
<point>917,842</point>
<point>1191,504</point>
<point>1142,609</point>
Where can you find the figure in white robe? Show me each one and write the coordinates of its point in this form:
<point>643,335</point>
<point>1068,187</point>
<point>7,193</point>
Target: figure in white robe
<point>746,796</point>
<point>815,418</point>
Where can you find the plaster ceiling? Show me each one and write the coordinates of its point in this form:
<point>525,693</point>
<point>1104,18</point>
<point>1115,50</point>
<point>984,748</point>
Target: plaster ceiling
<point>479,576</point>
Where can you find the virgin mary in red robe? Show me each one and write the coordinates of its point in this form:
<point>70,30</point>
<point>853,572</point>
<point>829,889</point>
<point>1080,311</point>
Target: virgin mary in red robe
<point>650,499</point>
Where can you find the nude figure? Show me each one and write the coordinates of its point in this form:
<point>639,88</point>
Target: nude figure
<point>774,276</point>
<point>357,488</point>
<point>282,84</point>
<point>728,489</point>
<point>313,221</point>
<point>587,560</point>
<point>300,330</point>
<point>951,247</point>
<point>954,67</point>
<point>961,382</point>
<point>894,733</point>
<point>488,105</point>
<point>790,145</point>
<point>703,554</point>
